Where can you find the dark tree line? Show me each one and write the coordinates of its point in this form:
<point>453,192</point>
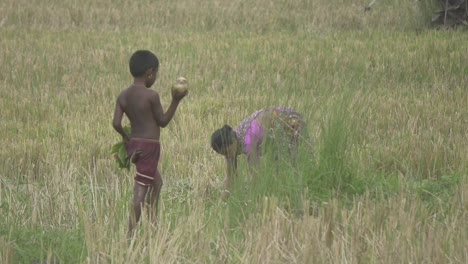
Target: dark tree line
<point>452,13</point>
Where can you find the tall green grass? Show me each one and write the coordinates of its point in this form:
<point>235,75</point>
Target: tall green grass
<point>310,16</point>
<point>384,97</point>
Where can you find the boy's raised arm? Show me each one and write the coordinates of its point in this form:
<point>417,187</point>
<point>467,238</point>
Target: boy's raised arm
<point>162,119</point>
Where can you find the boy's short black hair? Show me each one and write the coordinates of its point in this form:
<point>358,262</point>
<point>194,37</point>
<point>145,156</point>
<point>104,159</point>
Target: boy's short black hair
<point>141,61</point>
<point>222,138</point>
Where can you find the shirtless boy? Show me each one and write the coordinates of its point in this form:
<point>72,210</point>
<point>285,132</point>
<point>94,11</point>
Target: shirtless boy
<point>143,108</point>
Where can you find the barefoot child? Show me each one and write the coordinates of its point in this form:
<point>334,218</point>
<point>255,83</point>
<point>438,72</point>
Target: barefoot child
<point>143,108</point>
<point>282,126</point>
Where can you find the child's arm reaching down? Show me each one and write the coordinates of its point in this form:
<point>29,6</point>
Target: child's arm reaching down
<point>117,121</point>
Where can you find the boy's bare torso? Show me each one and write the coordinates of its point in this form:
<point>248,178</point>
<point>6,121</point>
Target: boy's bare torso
<point>136,102</point>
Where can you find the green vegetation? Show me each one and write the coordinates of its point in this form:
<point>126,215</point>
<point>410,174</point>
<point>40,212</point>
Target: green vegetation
<point>120,153</point>
<point>385,97</point>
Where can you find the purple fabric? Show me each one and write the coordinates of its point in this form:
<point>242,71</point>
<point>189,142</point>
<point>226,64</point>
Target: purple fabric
<point>147,164</point>
<point>253,134</point>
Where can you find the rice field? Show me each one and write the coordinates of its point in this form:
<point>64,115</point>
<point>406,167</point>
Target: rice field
<point>383,92</point>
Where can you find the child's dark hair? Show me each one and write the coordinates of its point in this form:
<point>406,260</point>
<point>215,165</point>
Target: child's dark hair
<point>222,138</point>
<point>141,61</point>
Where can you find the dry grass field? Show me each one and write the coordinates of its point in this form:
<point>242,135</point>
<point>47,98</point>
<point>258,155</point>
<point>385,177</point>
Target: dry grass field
<point>385,96</point>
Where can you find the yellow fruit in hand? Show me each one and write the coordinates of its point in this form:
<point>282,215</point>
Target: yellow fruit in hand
<point>181,80</point>
<point>181,85</point>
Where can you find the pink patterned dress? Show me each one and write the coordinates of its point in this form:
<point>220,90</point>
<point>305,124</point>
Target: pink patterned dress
<point>282,124</point>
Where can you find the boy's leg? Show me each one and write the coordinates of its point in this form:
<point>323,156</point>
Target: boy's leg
<point>139,193</point>
<point>153,198</point>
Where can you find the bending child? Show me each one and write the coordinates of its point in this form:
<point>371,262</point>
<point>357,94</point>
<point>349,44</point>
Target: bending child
<point>282,126</point>
<point>143,108</point>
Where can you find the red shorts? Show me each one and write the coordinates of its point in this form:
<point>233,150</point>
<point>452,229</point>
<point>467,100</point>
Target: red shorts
<point>147,163</point>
